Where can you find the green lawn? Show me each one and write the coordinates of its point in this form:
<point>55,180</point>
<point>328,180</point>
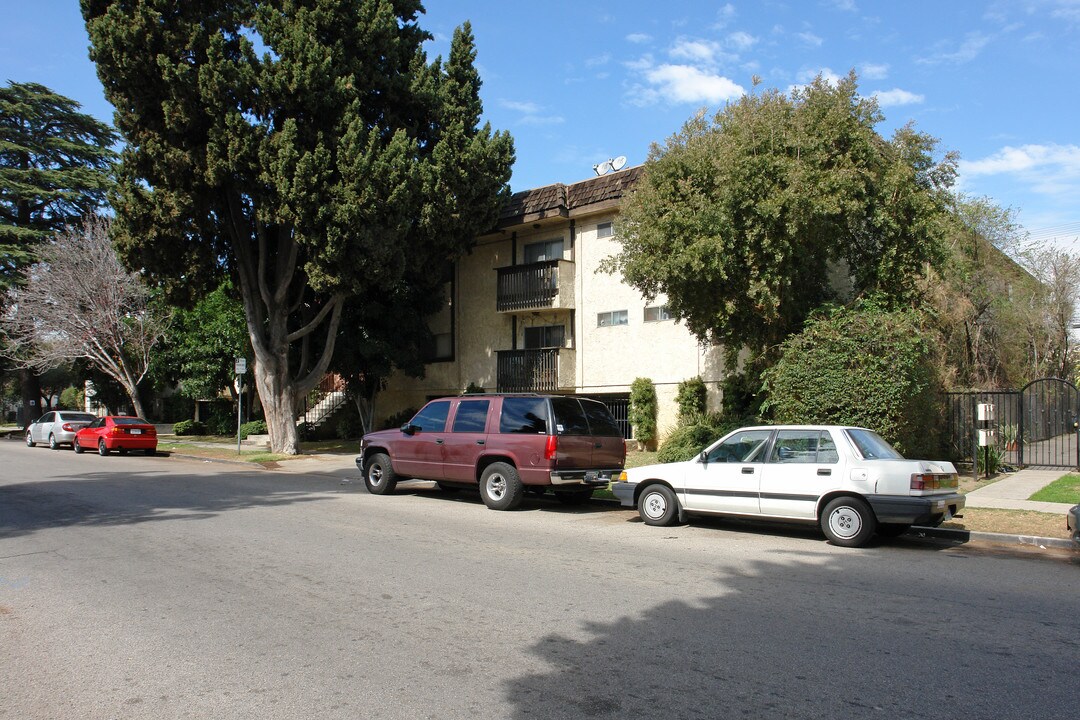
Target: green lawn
<point>1063,490</point>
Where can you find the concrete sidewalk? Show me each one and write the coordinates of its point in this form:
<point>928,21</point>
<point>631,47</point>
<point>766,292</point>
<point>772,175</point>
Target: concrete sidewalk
<point>1012,492</point>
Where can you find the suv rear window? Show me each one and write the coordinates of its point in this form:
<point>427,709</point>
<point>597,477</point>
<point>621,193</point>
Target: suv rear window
<point>600,420</point>
<point>524,415</point>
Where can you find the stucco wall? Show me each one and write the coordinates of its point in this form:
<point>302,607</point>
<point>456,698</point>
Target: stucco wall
<point>596,359</point>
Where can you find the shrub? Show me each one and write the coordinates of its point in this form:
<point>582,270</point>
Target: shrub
<point>190,427</point>
<point>865,366</point>
<point>398,419</point>
<point>695,434</point>
<point>642,413</point>
<point>348,426</point>
<point>72,398</point>
<point>691,398</point>
<point>254,427</point>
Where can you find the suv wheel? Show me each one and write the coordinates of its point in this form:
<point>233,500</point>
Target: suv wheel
<point>500,487</point>
<point>379,475</point>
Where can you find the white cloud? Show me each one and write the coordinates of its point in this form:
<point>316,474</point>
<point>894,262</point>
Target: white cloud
<point>741,40</point>
<point>967,51</point>
<point>688,84</point>
<point>598,60</point>
<point>639,38</point>
<point>531,113</point>
<point>701,51</point>
<point>810,39</point>
<point>725,15</point>
<point>807,76</point>
<point>871,71</point>
<point>845,5</point>
<point>896,96</point>
<point>1047,169</point>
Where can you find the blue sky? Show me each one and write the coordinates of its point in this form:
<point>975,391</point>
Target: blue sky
<point>577,83</point>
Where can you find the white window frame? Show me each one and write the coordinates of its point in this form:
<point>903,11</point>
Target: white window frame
<point>613,318</point>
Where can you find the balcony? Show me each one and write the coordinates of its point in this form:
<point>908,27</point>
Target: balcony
<point>535,370</point>
<point>536,286</point>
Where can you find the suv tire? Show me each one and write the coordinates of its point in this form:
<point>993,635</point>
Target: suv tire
<point>501,487</point>
<point>379,475</point>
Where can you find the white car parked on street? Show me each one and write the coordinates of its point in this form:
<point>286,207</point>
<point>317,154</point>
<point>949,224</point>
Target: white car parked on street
<point>57,427</point>
<point>848,480</point>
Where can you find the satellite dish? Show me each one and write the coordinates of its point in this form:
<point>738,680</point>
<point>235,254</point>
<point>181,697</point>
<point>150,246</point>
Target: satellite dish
<point>604,167</point>
<point>618,163</point>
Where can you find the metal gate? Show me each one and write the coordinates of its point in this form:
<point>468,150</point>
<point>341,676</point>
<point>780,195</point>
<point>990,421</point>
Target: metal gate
<point>1050,409</point>
<point>1033,426</point>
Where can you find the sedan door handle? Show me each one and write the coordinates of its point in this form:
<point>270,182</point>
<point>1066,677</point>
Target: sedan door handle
<point>748,471</point>
<point>480,442</point>
<point>824,471</point>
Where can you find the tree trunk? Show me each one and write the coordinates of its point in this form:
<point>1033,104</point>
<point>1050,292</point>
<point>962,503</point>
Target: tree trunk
<point>279,406</point>
<point>31,396</point>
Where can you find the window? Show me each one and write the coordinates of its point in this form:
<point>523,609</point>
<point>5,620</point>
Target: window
<point>545,336</point>
<point>600,420</point>
<point>657,313</point>
<point>604,230</point>
<point>569,417</point>
<point>546,250</point>
<point>432,418</point>
<point>444,346</point>
<point>615,317</point>
<point>804,446</point>
<point>745,446</point>
<point>524,415</point>
<point>471,416</point>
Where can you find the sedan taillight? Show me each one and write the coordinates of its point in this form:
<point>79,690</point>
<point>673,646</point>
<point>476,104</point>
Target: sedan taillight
<point>931,481</point>
<point>66,427</point>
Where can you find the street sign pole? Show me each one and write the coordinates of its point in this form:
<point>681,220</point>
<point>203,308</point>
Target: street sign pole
<point>240,368</point>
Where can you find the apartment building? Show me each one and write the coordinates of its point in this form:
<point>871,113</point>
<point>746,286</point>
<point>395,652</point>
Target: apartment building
<point>529,310</point>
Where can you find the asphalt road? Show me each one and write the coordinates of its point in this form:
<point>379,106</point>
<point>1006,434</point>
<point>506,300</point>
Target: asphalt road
<point>135,587</point>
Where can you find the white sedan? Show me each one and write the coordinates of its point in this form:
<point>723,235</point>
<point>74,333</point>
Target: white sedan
<point>57,427</point>
<point>848,480</point>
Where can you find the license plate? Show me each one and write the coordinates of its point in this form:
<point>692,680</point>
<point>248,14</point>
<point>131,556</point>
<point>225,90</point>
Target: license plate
<point>591,477</point>
<point>136,431</point>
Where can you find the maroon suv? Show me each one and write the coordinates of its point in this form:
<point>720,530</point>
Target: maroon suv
<point>508,444</point>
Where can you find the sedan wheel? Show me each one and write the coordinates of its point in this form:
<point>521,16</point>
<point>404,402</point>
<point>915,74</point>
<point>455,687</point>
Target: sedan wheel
<point>102,448</point>
<point>848,522</point>
<point>76,446</point>
<point>29,439</point>
<point>658,505</point>
<point>53,445</point>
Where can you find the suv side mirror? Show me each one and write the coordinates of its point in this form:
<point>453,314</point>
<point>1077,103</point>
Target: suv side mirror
<point>408,429</point>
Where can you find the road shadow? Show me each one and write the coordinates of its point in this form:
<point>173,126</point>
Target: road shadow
<point>532,502</point>
<point>118,496</point>
<point>818,636</point>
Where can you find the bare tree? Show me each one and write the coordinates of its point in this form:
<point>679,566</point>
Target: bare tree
<point>79,302</point>
<point>1050,338</point>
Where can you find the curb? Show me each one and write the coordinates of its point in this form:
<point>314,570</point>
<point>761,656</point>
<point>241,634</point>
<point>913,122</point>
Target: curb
<point>203,458</point>
<point>996,538</point>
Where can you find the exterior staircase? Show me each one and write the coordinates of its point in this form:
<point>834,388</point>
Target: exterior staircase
<point>324,402</point>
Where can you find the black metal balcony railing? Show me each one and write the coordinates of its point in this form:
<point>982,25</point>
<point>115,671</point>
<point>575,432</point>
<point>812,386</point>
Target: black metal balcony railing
<point>521,287</point>
<point>528,370</point>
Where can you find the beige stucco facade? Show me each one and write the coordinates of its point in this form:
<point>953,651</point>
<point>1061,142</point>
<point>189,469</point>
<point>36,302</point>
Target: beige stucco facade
<point>561,323</point>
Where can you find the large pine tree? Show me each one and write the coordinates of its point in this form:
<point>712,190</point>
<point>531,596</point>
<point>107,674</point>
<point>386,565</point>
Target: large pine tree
<point>305,147</point>
<point>54,168</point>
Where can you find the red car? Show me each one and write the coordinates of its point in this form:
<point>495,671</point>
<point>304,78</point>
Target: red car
<point>117,432</point>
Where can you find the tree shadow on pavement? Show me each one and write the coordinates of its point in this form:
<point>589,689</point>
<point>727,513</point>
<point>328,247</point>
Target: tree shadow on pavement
<point>119,497</point>
<point>834,635</point>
